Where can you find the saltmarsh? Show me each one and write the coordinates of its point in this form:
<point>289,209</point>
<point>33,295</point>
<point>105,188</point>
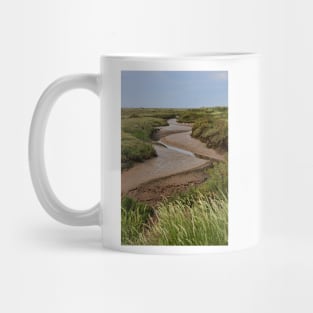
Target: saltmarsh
<point>198,216</point>
<point>138,126</point>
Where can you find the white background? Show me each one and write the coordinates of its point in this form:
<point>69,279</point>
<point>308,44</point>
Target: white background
<point>49,267</point>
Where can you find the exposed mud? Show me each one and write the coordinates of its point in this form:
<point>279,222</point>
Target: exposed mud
<point>157,190</point>
<point>180,164</point>
<point>186,142</point>
<point>168,162</point>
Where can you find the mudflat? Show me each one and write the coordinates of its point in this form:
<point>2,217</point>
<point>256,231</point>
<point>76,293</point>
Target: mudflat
<point>186,142</point>
<point>168,162</point>
<point>157,190</point>
<point>180,163</point>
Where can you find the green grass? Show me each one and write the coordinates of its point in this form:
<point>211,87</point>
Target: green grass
<point>138,125</point>
<point>135,150</point>
<point>214,132</point>
<point>195,217</point>
<point>217,183</point>
<point>210,125</point>
<point>191,115</point>
<point>149,112</point>
<point>218,178</point>
<point>135,216</point>
<point>202,221</point>
<point>142,127</point>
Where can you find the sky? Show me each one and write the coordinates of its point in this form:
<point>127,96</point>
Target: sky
<point>174,89</point>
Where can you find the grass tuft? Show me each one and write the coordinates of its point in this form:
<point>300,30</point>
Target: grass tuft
<point>203,222</point>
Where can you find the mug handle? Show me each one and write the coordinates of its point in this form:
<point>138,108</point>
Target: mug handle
<point>45,194</point>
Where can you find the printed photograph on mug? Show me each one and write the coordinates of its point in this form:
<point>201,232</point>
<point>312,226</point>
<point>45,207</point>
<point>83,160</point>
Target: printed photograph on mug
<point>174,151</point>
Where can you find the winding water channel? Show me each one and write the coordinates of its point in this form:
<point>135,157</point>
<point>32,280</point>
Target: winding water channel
<point>177,152</point>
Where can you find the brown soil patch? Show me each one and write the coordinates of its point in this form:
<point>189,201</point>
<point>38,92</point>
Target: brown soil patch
<point>159,189</point>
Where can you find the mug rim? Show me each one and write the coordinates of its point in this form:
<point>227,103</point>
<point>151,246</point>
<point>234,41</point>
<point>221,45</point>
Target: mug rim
<point>184,56</point>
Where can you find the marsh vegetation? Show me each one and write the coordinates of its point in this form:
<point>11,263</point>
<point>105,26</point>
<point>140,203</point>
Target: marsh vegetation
<point>195,211</point>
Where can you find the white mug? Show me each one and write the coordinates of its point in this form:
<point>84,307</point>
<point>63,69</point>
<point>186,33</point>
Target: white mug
<point>172,180</point>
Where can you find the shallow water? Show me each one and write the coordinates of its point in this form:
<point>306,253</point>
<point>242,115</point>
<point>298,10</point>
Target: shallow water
<point>178,149</point>
<point>170,160</point>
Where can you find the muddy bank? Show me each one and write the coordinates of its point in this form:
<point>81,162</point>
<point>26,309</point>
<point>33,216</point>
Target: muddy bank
<point>186,142</point>
<point>179,165</point>
<point>157,190</point>
<point>172,128</point>
<point>168,162</point>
